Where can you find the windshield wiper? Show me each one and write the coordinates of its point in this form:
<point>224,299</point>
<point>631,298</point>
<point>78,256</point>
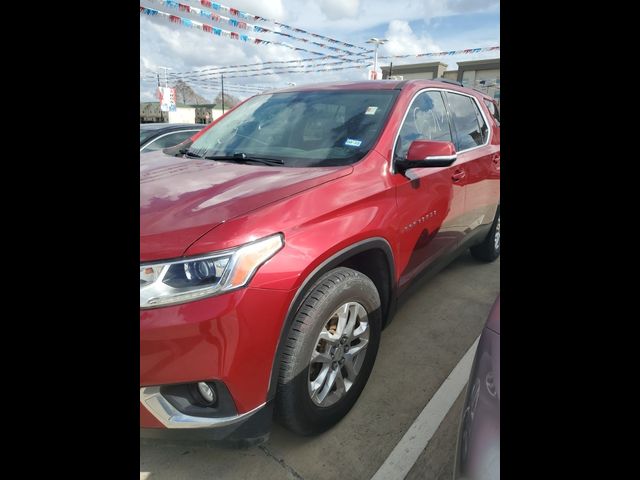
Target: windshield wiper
<point>243,157</point>
<point>189,153</point>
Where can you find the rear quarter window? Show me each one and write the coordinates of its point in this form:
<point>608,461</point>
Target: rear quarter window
<point>493,109</point>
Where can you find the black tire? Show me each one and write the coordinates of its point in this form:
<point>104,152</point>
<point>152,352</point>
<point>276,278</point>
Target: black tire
<point>295,409</point>
<point>487,251</point>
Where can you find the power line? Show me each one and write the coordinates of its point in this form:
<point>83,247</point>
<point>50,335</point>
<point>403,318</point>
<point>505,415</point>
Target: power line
<point>257,64</point>
<point>216,70</point>
<point>150,76</point>
<point>466,51</point>
<point>227,86</point>
<point>288,72</point>
<point>214,84</point>
<point>275,69</point>
<point>307,68</point>
<point>293,72</point>
<point>281,70</point>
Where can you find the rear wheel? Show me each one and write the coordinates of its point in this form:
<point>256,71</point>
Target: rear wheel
<point>489,249</point>
<point>330,351</point>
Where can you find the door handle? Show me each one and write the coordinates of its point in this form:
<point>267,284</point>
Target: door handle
<point>458,175</point>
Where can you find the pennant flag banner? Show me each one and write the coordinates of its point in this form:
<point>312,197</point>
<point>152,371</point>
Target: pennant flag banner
<point>315,70</point>
<point>281,63</point>
<point>258,69</point>
<point>278,68</point>
<point>466,51</point>
<point>247,26</point>
<point>221,32</point>
<point>244,15</point>
<point>275,70</point>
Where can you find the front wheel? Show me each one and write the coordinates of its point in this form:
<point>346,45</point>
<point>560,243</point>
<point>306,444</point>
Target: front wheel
<point>329,352</point>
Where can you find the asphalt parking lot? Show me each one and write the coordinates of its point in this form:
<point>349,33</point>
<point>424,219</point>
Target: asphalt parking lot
<point>433,329</point>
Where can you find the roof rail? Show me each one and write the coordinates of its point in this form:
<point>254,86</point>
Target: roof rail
<point>446,80</point>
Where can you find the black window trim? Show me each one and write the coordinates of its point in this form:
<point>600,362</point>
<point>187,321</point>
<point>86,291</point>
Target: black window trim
<point>449,113</point>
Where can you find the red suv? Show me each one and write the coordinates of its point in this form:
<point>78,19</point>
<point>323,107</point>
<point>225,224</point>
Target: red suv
<point>274,245</point>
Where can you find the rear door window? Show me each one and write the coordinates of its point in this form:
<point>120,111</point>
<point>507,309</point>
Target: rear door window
<point>470,127</point>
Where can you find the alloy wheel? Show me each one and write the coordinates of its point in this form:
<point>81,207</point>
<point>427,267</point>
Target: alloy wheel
<point>338,355</point>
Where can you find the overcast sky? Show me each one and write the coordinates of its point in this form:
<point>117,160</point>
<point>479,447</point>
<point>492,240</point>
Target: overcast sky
<point>411,26</point>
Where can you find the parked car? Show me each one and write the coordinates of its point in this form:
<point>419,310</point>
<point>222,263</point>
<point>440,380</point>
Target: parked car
<point>156,136</point>
<point>273,249</point>
<point>478,450</point>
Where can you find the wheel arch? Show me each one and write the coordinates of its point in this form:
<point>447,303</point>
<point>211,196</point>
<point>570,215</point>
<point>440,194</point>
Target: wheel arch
<point>372,257</point>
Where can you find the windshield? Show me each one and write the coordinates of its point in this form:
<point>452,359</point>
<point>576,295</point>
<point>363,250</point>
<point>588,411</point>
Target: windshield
<point>304,129</point>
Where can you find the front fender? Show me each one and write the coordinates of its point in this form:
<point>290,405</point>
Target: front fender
<point>308,281</point>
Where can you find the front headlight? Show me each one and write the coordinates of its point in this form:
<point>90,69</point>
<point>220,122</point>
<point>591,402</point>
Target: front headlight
<point>193,278</point>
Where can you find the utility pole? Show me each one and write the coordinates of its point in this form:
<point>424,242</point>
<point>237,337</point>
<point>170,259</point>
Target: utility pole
<point>222,83</point>
<point>377,42</point>
<point>159,96</point>
<point>166,84</point>
<point>390,69</point>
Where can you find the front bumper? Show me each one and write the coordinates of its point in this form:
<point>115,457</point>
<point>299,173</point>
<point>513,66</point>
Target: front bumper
<point>171,417</point>
<point>230,338</point>
<point>250,430</point>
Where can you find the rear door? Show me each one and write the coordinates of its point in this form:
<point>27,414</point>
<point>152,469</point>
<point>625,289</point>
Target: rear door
<point>477,155</point>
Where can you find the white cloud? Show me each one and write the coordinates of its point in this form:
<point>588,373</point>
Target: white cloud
<point>402,40</point>
<point>471,5</point>
<point>308,14</point>
<point>147,96</point>
<point>337,9</point>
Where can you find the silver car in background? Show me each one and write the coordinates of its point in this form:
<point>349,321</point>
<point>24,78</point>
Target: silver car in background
<point>478,450</point>
<point>156,136</point>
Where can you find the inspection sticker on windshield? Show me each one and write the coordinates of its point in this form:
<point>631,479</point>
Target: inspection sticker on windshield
<point>371,111</point>
<point>350,142</point>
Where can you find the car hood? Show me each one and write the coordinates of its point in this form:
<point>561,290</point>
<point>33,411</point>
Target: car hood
<point>182,199</point>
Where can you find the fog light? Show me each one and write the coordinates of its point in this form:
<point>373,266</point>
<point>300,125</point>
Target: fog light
<point>207,393</point>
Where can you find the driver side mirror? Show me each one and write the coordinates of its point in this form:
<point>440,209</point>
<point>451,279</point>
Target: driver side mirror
<point>428,153</point>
